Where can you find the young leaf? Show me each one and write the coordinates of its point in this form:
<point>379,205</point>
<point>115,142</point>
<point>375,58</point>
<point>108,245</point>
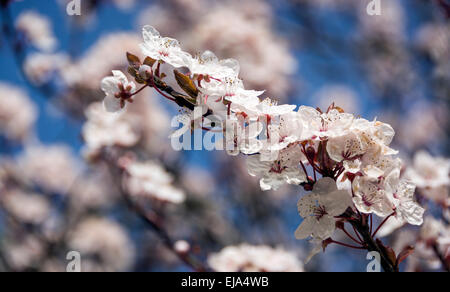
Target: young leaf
<point>388,251</point>
<point>409,250</point>
<point>133,60</point>
<point>149,61</point>
<point>186,84</point>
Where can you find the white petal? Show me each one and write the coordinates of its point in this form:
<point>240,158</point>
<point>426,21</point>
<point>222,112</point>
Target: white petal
<point>325,227</point>
<point>109,85</point>
<point>150,33</point>
<point>412,213</point>
<point>324,186</point>
<point>111,104</point>
<point>337,202</point>
<point>305,229</point>
<point>120,77</point>
<point>307,204</point>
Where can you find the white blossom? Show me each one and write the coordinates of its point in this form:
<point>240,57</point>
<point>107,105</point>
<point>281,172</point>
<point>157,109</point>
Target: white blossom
<point>163,48</point>
<point>105,240</point>
<point>406,208</point>
<point>103,129</point>
<point>37,29</point>
<point>319,209</point>
<point>276,173</point>
<point>149,179</point>
<point>17,113</point>
<point>118,91</point>
<point>248,258</point>
<point>428,171</point>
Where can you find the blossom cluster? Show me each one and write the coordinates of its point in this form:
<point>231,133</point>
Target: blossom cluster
<point>249,258</point>
<point>352,154</point>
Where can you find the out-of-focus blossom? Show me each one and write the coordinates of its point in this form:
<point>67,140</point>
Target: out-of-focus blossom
<point>24,254</point>
<point>341,95</point>
<point>428,171</point>
<point>435,238</point>
<point>390,226</point>
<point>124,4</point>
<point>40,67</point>
<point>334,4</point>
<point>149,179</point>
<point>17,113</point>
<point>93,192</point>
<point>103,129</point>
<point>28,208</point>
<point>107,54</point>
<point>431,229</point>
<point>37,29</point>
<point>198,181</point>
<point>389,25</point>
<point>182,246</point>
<point>145,121</point>
<point>248,258</point>
<point>265,59</point>
<point>52,168</point>
<point>103,244</point>
<point>434,39</point>
<point>428,130</point>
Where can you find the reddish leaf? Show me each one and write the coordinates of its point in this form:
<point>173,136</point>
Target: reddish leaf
<point>133,60</point>
<point>388,251</point>
<point>409,250</point>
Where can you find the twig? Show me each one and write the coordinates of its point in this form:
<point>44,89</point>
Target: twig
<point>382,223</point>
<point>444,262</point>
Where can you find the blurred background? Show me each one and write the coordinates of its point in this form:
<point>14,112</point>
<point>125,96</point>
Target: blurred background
<point>61,190</point>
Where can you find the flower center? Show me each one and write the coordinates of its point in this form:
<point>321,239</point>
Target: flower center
<point>319,212</point>
<point>164,54</point>
<point>277,168</point>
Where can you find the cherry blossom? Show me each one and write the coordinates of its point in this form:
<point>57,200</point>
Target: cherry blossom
<point>163,48</point>
<point>406,208</point>
<point>319,209</point>
<point>275,173</point>
<point>207,65</point>
<point>248,258</point>
<point>118,91</point>
<point>428,171</point>
<point>149,179</point>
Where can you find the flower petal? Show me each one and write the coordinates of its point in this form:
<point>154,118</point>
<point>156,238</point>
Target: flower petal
<point>111,104</point>
<point>305,229</point>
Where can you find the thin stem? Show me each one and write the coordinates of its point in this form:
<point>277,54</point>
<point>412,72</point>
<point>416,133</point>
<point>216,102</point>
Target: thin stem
<point>304,168</point>
<point>152,221</point>
<point>357,234</point>
<point>382,223</point>
<point>371,223</point>
<point>444,262</point>
<point>142,88</point>
<point>346,245</point>
<point>351,237</point>
<point>152,84</point>
<point>372,245</point>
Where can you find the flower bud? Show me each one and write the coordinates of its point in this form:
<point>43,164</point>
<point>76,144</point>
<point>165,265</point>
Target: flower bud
<point>145,72</point>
